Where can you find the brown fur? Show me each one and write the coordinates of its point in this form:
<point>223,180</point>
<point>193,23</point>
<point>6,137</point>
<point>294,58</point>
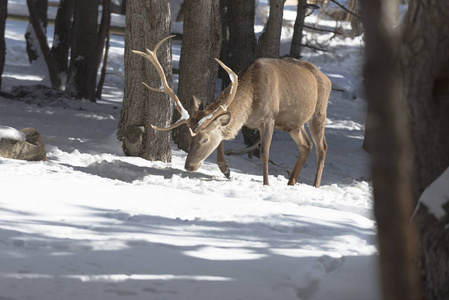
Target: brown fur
<point>272,93</point>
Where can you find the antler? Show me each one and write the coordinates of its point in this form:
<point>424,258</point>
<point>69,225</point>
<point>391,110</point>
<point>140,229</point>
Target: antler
<point>165,88</point>
<point>221,108</point>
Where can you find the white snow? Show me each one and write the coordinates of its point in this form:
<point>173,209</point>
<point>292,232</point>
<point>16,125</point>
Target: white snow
<point>437,195</point>
<point>10,133</point>
<point>92,223</point>
<point>231,77</point>
<point>184,114</point>
<point>205,118</point>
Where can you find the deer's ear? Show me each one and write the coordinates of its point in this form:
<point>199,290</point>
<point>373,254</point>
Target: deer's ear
<point>224,119</point>
<point>196,103</point>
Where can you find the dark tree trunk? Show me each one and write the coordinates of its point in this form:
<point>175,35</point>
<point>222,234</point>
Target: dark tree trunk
<point>103,38</point>
<point>243,44</point>
<point>103,69</point>
<point>425,64</point>
<point>83,62</point>
<point>147,22</point>
<point>242,37</point>
<point>197,67</point>
<point>103,30</point>
<point>295,49</point>
<point>43,46</point>
<point>391,155</point>
<point>123,5</point>
<point>40,17</point>
<point>3,15</point>
<point>270,39</point>
<point>61,39</point>
<point>225,52</point>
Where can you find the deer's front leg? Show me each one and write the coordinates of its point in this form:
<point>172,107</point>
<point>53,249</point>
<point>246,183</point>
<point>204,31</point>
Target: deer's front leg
<point>221,161</point>
<point>266,134</point>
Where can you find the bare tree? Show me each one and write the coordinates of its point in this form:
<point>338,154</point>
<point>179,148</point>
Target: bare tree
<point>243,40</point>
<point>41,37</point>
<point>425,66</point>
<point>147,22</point>
<point>39,14</point>
<point>243,44</point>
<point>197,67</point>
<point>391,159</point>
<point>61,38</point>
<point>103,44</point>
<point>3,15</point>
<point>270,40</point>
<point>295,49</point>
<point>83,63</point>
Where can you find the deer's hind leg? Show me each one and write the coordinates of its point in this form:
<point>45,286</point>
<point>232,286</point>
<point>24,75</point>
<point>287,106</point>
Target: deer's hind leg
<point>266,133</point>
<point>316,127</point>
<point>304,143</point>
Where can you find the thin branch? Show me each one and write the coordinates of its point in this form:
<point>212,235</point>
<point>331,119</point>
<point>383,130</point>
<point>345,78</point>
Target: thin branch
<point>344,8</point>
<point>322,29</point>
<point>314,48</point>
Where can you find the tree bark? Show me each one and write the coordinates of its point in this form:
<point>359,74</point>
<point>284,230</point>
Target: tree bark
<point>391,159</point>
<point>295,48</point>
<point>103,30</point>
<point>426,71</point>
<point>270,39</point>
<point>42,42</point>
<point>225,52</point>
<point>83,62</point>
<point>39,8</point>
<point>61,39</point>
<point>243,43</point>
<point>3,15</point>
<point>389,9</point>
<point>243,40</point>
<point>425,64</point>
<point>147,22</point>
<point>197,67</point>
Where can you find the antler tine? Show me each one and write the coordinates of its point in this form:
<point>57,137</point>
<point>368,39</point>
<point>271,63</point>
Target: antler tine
<point>165,88</point>
<point>234,81</point>
<point>222,108</point>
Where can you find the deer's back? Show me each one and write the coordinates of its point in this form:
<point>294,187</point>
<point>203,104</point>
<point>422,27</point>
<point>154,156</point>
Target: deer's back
<point>287,90</point>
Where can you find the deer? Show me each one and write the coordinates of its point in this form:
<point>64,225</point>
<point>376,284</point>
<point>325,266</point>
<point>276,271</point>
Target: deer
<point>281,93</point>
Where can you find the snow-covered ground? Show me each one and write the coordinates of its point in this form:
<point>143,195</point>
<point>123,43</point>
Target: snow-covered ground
<point>91,223</point>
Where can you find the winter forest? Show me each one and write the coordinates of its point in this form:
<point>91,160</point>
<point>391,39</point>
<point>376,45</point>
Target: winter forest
<point>224,149</point>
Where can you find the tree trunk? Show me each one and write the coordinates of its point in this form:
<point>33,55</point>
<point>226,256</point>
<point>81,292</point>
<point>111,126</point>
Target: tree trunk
<point>243,40</point>
<point>103,38</point>
<point>225,52</point>
<point>40,16</point>
<point>103,30</point>
<point>425,66</point>
<point>61,39</point>
<point>243,44</point>
<point>103,68</point>
<point>391,166</point>
<point>197,66</point>
<point>3,15</point>
<point>147,22</point>
<point>389,9</point>
<point>295,48</point>
<point>83,62</point>
<point>270,39</point>
<point>41,38</point>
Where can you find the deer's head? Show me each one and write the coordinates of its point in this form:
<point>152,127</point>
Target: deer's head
<point>205,126</point>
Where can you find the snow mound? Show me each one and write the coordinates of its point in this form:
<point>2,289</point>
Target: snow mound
<point>10,133</point>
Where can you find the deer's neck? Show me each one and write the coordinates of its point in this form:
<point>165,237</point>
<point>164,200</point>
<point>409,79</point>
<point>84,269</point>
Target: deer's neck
<point>240,110</point>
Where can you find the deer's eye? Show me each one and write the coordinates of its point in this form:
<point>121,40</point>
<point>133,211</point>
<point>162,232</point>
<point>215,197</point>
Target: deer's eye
<point>204,141</point>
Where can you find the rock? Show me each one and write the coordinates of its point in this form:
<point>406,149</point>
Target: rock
<point>32,148</point>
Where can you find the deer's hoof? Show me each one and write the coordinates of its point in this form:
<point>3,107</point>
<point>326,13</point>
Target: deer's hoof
<point>227,173</point>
